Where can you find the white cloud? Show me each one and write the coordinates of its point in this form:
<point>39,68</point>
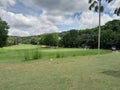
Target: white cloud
<point>59,6</point>
<point>90,19</point>
<point>115,4</point>
<point>22,25</point>
<point>53,14</point>
<point>29,24</point>
<point>112,6</point>
<point>6,3</point>
<point>18,32</point>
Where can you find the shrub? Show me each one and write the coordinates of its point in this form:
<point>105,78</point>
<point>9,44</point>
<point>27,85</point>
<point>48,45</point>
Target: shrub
<point>32,55</point>
<point>58,55</point>
<point>27,56</point>
<point>36,54</point>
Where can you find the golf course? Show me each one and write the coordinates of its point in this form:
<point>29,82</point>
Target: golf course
<point>59,44</point>
<point>58,69</point>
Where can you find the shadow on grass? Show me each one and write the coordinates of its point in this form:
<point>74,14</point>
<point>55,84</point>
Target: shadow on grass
<point>112,73</point>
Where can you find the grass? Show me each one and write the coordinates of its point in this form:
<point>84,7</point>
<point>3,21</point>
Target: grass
<point>22,53</point>
<point>73,73</point>
<point>21,46</point>
<point>62,72</point>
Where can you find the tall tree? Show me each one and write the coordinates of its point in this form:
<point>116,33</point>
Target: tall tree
<point>70,39</point>
<point>50,39</point>
<point>3,32</point>
<point>98,7</point>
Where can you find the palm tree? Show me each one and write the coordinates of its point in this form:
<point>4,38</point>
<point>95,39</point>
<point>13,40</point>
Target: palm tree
<point>98,7</point>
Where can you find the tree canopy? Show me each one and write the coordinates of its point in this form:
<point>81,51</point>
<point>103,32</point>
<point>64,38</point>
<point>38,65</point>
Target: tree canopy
<point>3,32</point>
<point>110,36</point>
<point>50,39</point>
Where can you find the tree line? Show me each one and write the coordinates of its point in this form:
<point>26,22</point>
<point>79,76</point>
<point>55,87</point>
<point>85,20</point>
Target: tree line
<point>110,36</point>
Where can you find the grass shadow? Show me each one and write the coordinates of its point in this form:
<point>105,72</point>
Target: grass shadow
<point>112,73</point>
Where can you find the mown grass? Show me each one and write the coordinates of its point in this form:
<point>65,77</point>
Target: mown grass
<point>72,73</point>
<point>22,53</point>
<point>21,46</point>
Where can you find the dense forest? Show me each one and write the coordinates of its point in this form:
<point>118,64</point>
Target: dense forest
<point>110,36</point>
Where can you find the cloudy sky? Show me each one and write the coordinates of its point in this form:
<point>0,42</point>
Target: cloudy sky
<point>34,17</point>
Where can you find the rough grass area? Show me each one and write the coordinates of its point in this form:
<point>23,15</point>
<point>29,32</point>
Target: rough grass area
<point>28,67</point>
<point>72,73</point>
<point>21,53</point>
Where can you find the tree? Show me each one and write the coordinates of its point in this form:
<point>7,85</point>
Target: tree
<point>3,32</point>
<point>113,25</point>
<point>70,39</point>
<point>98,7</point>
<point>34,40</point>
<point>50,39</point>
<point>107,39</point>
<point>88,38</point>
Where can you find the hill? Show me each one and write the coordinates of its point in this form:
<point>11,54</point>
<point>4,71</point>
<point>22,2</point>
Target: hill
<point>110,33</point>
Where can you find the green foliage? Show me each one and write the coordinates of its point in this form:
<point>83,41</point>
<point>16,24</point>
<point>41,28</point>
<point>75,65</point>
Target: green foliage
<point>50,39</point>
<point>27,56</point>
<point>109,1</point>
<point>10,41</point>
<point>32,55</point>
<point>70,39</point>
<point>34,41</point>
<point>112,25</point>
<point>15,40</point>
<point>36,55</point>
<point>109,39</point>
<point>101,8</point>
<point>96,5</point>
<point>110,36</point>
<point>117,11</point>
<point>60,55</point>
<point>3,32</point>
<point>79,38</point>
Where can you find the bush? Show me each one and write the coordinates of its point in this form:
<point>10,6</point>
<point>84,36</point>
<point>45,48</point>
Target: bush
<point>32,55</point>
<point>58,55</point>
<point>27,56</point>
<point>36,55</point>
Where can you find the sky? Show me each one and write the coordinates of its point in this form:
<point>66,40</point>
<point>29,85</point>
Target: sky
<point>35,17</point>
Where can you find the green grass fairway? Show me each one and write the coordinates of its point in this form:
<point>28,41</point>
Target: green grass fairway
<point>77,69</point>
<point>18,53</point>
<point>75,73</point>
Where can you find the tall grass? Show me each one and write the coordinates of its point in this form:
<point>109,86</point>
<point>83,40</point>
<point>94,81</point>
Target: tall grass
<point>36,55</point>
<point>60,55</point>
<point>32,55</point>
<point>27,56</point>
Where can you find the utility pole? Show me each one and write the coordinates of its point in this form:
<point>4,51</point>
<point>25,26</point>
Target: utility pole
<point>99,31</point>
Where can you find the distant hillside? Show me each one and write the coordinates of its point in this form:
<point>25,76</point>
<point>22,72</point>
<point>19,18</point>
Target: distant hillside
<point>111,25</point>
